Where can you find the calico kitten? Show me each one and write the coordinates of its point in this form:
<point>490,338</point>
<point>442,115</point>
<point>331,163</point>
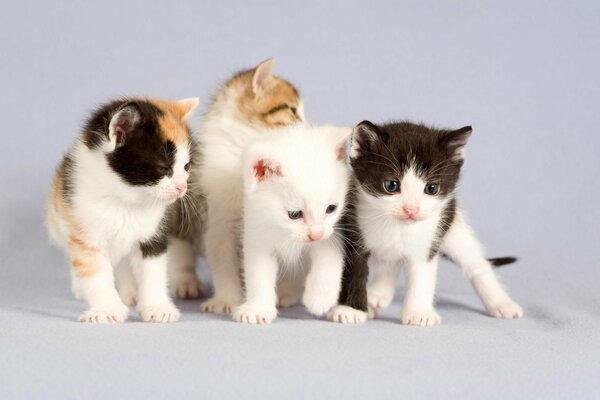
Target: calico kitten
<point>407,211</point>
<point>108,201</point>
<point>252,103</point>
<point>295,187</point>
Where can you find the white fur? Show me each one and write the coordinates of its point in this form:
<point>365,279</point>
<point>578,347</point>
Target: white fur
<point>308,177</point>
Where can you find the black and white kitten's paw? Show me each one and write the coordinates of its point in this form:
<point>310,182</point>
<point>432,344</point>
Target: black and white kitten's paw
<point>219,305</point>
<point>254,314</point>
<point>424,317</point>
<point>319,303</point>
<point>110,313</point>
<point>187,286</point>
<point>506,310</point>
<point>160,313</point>
<point>347,315</point>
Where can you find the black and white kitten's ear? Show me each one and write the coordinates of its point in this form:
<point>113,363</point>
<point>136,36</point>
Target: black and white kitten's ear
<point>263,77</point>
<point>186,107</point>
<point>455,142</point>
<point>122,123</point>
<point>364,138</point>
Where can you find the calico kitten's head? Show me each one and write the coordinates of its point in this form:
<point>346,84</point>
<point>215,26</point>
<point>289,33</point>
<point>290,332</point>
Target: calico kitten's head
<point>146,143</point>
<point>264,100</point>
<point>297,182</point>
<point>407,170</point>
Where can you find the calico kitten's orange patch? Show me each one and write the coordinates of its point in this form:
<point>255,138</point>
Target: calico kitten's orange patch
<point>174,121</point>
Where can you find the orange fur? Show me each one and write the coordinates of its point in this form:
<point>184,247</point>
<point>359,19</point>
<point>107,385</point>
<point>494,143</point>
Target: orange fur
<point>173,123</point>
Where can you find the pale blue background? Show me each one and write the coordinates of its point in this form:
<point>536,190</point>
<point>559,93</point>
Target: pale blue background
<point>524,74</point>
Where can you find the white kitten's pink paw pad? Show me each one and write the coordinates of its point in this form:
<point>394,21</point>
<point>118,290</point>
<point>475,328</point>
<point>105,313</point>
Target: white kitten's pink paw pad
<point>218,306</point>
<point>347,315</point>
<point>508,310</point>
<point>108,315</point>
<point>160,313</point>
<point>251,314</point>
<point>421,318</point>
<point>188,287</point>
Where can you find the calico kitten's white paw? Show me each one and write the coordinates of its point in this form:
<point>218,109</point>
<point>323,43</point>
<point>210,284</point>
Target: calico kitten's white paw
<point>161,313</point>
<point>379,300</point>
<point>107,314</point>
<point>420,317</point>
<point>188,286</point>
<point>506,310</point>
<point>254,314</point>
<point>318,303</point>
<point>346,315</point>
<point>218,306</point>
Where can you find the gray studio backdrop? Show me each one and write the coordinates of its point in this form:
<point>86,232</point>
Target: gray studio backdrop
<point>523,74</point>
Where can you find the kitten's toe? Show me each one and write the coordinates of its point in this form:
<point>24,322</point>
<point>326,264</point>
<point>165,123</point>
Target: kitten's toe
<point>380,300</point>
<point>254,314</point>
<point>218,306</point>
<point>319,305</point>
<point>506,310</point>
<point>347,315</point>
<point>159,313</point>
<point>188,286</point>
<point>105,315</point>
<point>427,317</point>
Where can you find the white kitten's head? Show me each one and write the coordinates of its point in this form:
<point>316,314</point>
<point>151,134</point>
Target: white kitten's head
<point>296,182</point>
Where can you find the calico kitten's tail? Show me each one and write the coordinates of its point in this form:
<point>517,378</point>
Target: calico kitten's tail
<point>500,261</point>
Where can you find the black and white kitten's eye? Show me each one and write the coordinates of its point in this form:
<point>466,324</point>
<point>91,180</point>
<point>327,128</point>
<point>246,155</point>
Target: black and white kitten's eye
<point>187,166</point>
<point>331,208</point>
<point>432,189</point>
<point>391,186</point>
<point>295,214</point>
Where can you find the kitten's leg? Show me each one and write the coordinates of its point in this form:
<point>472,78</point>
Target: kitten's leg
<point>154,303</point>
<point>126,285</point>
<point>352,305</point>
<point>381,287</point>
<point>417,307</point>
<point>463,247</point>
<point>260,278</point>
<point>182,269</point>
<point>324,280</point>
<point>289,289</point>
<point>93,281</point>
<point>221,256</point>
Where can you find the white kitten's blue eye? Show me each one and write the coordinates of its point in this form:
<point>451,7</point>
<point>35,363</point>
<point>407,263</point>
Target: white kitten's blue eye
<point>391,186</point>
<point>295,214</point>
<point>331,208</point>
<point>432,189</point>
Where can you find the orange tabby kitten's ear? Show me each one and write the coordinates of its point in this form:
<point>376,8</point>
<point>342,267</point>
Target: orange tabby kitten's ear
<point>263,77</point>
<point>186,107</point>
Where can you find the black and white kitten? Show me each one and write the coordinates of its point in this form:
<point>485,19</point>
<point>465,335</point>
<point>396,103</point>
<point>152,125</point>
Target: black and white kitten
<point>407,212</point>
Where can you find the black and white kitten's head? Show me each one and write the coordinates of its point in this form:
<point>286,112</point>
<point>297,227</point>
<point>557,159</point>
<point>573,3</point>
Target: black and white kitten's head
<point>144,147</point>
<point>408,171</point>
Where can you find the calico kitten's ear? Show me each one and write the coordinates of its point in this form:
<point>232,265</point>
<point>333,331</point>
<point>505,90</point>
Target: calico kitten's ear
<point>364,137</point>
<point>456,141</point>
<point>186,107</point>
<point>122,123</point>
<point>263,77</point>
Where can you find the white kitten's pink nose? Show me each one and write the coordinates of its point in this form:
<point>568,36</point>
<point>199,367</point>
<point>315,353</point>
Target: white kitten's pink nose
<point>181,188</point>
<point>411,211</point>
<point>315,235</point>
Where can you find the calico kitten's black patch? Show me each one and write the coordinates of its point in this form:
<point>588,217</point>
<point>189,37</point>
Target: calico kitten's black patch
<point>154,246</point>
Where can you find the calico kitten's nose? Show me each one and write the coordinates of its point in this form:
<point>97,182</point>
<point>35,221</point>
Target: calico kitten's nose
<point>181,188</point>
<point>315,235</point>
<point>411,211</point>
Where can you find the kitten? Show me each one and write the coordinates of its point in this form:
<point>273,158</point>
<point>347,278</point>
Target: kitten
<point>108,201</point>
<point>252,103</point>
<point>407,211</point>
<point>295,186</point>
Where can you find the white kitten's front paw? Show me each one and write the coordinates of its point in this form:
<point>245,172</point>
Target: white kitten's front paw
<point>379,299</point>
<point>254,314</point>
<point>426,317</point>
<point>347,315</point>
<point>188,286</point>
<point>162,312</point>
<point>506,310</point>
<point>319,303</point>
<point>106,314</point>
<point>219,306</point>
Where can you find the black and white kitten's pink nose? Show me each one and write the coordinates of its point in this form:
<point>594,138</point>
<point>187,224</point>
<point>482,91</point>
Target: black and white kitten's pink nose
<point>411,211</point>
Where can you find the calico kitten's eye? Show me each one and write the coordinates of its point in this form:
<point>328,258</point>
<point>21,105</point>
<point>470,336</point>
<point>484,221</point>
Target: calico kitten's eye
<point>295,214</point>
<point>187,166</point>
<point>165,170</point>
<point>391,186</point>
<point>331,208</point>
<point>294,110</point>
<point>432,189</point>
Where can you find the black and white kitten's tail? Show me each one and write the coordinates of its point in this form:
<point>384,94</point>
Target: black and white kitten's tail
<point>496,261</point>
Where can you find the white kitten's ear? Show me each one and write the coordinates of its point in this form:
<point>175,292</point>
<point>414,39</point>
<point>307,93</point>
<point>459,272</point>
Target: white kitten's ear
<point>455,142</point>
<point>122,123</point>
<point>265,168</point>
<point>186,107</point>
<point>263,77</point>
<point>364,138</point>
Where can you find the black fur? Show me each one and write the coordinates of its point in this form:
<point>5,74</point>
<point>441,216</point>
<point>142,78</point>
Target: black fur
<point>154,246</point>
